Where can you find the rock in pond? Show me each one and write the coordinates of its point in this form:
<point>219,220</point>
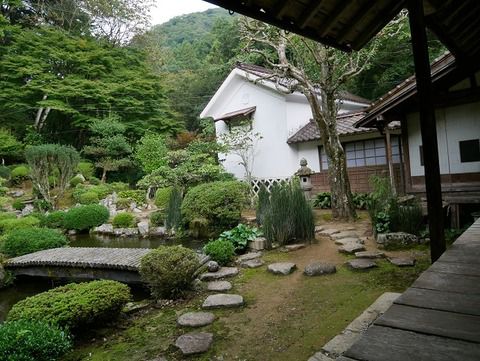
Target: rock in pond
<point>223,272</point>
<point>402,261</point>
<point>195,342</point>
<point>281,268</point>
<point>157,231</point>
<point>105,228</point>
<point>143,228</point>
<point>253,263</point>
<point>361,263</point>
<point>219,286</point>
<point>212,266</point>
<point>319,269</point>
<point>196,319</point>
<point>223,300</point>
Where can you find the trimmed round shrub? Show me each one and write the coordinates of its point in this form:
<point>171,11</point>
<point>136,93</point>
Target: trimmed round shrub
<point>220,203</point>
<point>18,204</point>
<point>162,196</point>
<point>75,181</point>
<point>221,251</point>
<point>88,198</point>
<point>169,270</point>
<point>75,305</point>
<point>7,225</point>
<point>5,172</point>
<point>28,240</point>
<point>54,219</point>
<point>32,341</point>
<point>123,203</point>
<point>138,196</point>
<point>94,180</point>
<point>86,169</point>
<point>19,174</point>
<point>86,217</point>
<point>124,220</point>
<point>157,219</point>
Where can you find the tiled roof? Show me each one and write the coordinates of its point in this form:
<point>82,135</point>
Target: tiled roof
<point>345,126</point>
<point>241,112</point>
<point>265,73</point>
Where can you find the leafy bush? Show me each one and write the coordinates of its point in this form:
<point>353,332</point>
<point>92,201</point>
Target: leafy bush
<point>4,201</point>
<point>42,205</point>
<point>220,203</point>
<point>21,241</point>
<point>262,204</point>
<point>137,196</point>
<point>54,219</point>
<point>89,197</point>
<point>289,215</point>
<point>169,271</point>
<point>220,250</point>
<point>381,222</point>
<point>3,190</point>
<point>5,172</point>
<point>75,305</point>
<point>323,200</point>
<point>32,341</point>
<point>406,217</point>
<point>19,174</point>
<point>157,219</point>
<point>86,169</point>
<point>76,181</point>
<point>7,225</point>
<point>123,220</point>
<point>86,217</point>
<point>162,196</point>
<point>174,210</point>
<point>360,200</point>
<point>18,204</point>
<point>240,236</point>
<point>118,186</point>
<point>123,203</point>
<point>94,180</point>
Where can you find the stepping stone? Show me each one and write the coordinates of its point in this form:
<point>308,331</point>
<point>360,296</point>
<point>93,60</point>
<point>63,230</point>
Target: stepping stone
<point>192,343</point>
<point>294,247</point>
<point>344,241</point>
<point>402,261</point>
<point>253,263</point>
<point>361,263</point>
<point>328,231</point>
<point>196,319</point>
<point>369,254</point>
<point>351,248</point>
<point>319,269</point>
<point>281,268</point>
<point>223,300</point>
<point>219,286</point>
<point>248,256</point>
<point>345,234</point>
<point>223,272</point>
<point>319,229</point>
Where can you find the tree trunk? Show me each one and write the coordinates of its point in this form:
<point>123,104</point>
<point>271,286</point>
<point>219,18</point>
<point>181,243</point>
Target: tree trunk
<point>104,175</point>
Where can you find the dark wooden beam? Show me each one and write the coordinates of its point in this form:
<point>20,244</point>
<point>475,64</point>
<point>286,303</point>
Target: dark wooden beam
<point>358,17</point>
<point>309,13</point>
<point>332,19</point>
<point>279,8</point>
<point>428,128</point>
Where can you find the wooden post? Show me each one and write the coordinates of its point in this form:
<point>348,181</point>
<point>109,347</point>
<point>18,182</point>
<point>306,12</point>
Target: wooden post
<point>388,146</point>
<point>427,127</point>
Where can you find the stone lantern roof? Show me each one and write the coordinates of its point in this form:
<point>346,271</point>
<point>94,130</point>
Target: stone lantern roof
<point>304,170</point>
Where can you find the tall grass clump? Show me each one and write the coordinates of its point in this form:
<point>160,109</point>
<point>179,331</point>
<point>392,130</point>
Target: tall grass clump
<point>289,216</point>
<point>263,203</point>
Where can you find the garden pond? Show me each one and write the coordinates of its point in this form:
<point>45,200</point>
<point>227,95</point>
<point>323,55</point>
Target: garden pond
<point>29,286</point>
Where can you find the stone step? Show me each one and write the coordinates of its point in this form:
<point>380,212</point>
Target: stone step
<point>319,269</point>
<point>351,248</point>
<point>345,234</point>
<point>223,272</point>
<point>219,286</point>
<point>253,263</point>
<point>196,319</point>
<point>361,263</point>
<point>369,254</point>
<point>344,241</point>
<point>223,300</point>
<point>195,342</point>
<point>281,268</point>
<point>402,261</point>
<point>248,256</point>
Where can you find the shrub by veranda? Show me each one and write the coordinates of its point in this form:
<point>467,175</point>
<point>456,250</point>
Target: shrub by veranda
<point>240,236</point>
<point>86,217</point>
<point>169,270</point>
<point>54,219</point>
<point>220,250</point>
<point>21,241</point>
<point>220,203</point>
<point>123,220</point>
<point>32,341</point>
<point>75,305</point>
<point>162,196</point>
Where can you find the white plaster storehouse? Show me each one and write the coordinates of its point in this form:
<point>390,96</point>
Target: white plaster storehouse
<point>284,122</point>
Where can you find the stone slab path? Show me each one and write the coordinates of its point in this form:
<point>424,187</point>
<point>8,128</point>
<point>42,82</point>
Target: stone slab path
<point>223,300</point>
<point>281,268</point>
<point>196,319</point>
<point>219,286</point>
<point>223,272</point>
<point>193,343</point>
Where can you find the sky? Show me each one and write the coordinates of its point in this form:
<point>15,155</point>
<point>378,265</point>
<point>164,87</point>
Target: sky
<point>167,9</point>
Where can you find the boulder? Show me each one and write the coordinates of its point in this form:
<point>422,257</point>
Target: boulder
<point>258,244</point>
<point>157,231</point>
<point>196,319</point>
<point>369,254</point>
<point>223,300</point>
<point>396,240</point>
<point>223,272</point>
<point>253,263</point>
<point>105,228</point>
<point>27,210</point>
<point>319,269</point>
<point>16,194</point>
<point>143,228</point>
<point>192,343</point>
<point>219,286</point>
<point>212,266</point>
<point>361,263</point>
<point>136,210</point>
<point>125,232</point>
<point>351,248</point>
<point>248,256</point>
<point>281,268</point>
<point>402,261</point>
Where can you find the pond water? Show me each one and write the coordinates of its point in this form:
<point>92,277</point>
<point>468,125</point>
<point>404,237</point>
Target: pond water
<point>28,286</point>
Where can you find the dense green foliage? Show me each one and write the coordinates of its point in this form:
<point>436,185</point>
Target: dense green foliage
<point>220,250</point>
<point>32,341</point>
<point>86,169</point>
<point>74,306</point>
<point>86,217</point>
<point>323,200</point>
<point>169,271</point>
<point>289,216</point>
<point>151,151</point>
<point>10,147</point>
<point>9,224</point>
<point>173,218</point>
<point>19,174</point>
<point>89,197</point>
<point>21,241</point>
<point>162,196</point>
<point>123,220</point>
<point>157,218</point>
<point>219,203</point>
<point>240,236</point>
<point>55,219</point>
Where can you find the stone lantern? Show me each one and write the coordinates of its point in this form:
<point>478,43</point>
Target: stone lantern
<point>304,174</point>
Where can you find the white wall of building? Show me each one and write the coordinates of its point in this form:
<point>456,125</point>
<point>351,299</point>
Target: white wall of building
<point>454,124</point>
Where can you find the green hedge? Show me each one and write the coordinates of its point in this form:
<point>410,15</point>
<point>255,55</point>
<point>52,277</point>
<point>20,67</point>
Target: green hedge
<point>54,219</point>
<point>162,196</point>
<point>220,250</point>
<point>74,306</point>
<point>124,220</point>
<point>157,219</point>
<point>28,240</point>
<point>169,270</point>
<point>220,203</point>
<point>32,341</point>
<point>7,225</point>
<point>89,197</point>
<point>86,217</point>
